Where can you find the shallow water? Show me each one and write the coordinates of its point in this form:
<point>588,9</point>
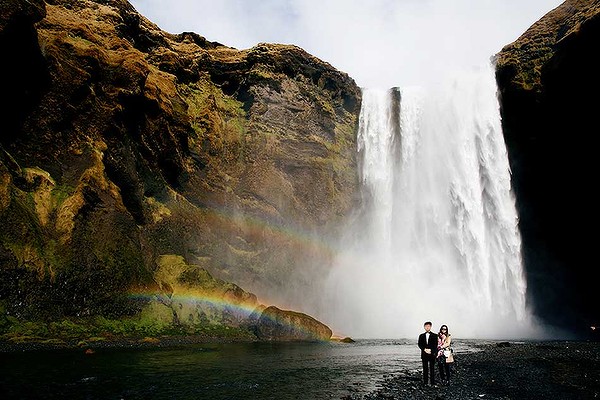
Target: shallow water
<point>215,371</point>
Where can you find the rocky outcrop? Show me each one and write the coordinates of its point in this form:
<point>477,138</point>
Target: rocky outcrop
<point>281,325</point>
<point>122,143</point>
<point>346,339</point>
<point>188,297</point>
<point>548,81</point>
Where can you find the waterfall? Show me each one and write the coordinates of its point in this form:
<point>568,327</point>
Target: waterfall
<point>437,236</point>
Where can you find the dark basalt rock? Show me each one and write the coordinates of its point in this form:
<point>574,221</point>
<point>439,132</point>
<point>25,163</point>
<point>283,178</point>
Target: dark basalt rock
<point>23,66</point>
<point>548,80</point>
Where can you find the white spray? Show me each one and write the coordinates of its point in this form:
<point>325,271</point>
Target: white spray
<point>437,238</point>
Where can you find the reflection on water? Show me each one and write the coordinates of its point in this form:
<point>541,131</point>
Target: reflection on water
<point>216,371</point>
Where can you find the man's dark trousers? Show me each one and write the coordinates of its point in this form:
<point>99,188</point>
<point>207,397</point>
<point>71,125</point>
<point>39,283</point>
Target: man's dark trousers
<point>429,369</point>
<point>428,359</point>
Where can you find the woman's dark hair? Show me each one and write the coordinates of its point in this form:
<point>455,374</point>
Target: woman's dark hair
<point>447,333</point>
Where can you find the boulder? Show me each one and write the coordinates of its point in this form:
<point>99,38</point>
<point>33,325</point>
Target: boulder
<point>281,325</point>
<point>340,339</point>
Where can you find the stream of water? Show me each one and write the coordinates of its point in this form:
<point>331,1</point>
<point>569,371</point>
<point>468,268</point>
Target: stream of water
<point>218,371</point>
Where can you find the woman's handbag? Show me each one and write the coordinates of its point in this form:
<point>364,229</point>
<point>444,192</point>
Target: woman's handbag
<point>449,355</point>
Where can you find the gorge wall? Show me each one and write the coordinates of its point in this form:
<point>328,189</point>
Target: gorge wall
<point>135,161</point>
<point>549,84</point>
<point>121,143</point>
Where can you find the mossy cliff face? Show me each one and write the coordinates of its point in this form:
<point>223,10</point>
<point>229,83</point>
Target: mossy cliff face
<point>122,143</point>
<point>549,85</point>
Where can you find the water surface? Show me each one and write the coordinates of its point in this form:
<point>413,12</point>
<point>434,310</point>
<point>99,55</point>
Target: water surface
<point>214,371</point>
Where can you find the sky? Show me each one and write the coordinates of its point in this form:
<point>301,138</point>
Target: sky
<point>379,43</point>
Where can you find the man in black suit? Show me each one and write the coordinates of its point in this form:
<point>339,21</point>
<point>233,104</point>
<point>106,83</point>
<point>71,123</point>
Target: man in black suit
<point>428,342</point>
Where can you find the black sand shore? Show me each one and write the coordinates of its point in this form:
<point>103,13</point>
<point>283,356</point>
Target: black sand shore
<point>532,370</point>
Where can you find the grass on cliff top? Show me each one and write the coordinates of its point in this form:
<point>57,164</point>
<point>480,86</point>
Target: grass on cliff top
<point>537,45</point>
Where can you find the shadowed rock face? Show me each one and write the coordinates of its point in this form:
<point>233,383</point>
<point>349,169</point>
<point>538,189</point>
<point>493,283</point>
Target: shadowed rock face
<point>281,325</point>
<point>122,143</point>
<point>549,85</point>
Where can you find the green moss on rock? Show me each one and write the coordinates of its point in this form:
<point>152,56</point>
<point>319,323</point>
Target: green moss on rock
<point>165,144</point>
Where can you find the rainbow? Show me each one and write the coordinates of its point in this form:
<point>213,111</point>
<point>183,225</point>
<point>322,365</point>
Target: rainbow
<point>235,223</point>
<point>197,298</point>
<point>253,226</point>
<point>243,310</point>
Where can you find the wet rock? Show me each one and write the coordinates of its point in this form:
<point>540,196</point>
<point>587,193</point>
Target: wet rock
<point>281,325</point>
<point>343,339</point>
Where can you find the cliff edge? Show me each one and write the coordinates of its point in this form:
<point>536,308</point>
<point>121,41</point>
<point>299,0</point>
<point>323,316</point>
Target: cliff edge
<point>549,84</point>
<point>122,143</point>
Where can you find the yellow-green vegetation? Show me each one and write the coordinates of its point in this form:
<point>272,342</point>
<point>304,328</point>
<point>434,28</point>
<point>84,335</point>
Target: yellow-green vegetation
<point>87,331</point>
<point>78,41</point>
<point>193,298</point>
<point>530,52</point>
<point>60,193</point>
<point>155,320</point>
<point>218,120</point>
<point>169,144</point>
<point>21,218</point>
<point>261,72</point>
<point>174,271</point>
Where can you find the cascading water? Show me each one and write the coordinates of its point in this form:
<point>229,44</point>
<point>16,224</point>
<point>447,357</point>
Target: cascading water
<point>437,237</point>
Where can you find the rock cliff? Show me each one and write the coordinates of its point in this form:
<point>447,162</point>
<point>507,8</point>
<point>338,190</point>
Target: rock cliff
<point>121,143</point>
<point>549,84</point>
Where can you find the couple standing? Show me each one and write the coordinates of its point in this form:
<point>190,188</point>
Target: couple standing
<point>436,347</point>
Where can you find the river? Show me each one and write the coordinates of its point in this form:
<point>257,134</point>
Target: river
<point>213,371</point>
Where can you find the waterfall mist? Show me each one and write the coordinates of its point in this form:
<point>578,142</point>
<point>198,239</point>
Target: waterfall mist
<point>436,237</point>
